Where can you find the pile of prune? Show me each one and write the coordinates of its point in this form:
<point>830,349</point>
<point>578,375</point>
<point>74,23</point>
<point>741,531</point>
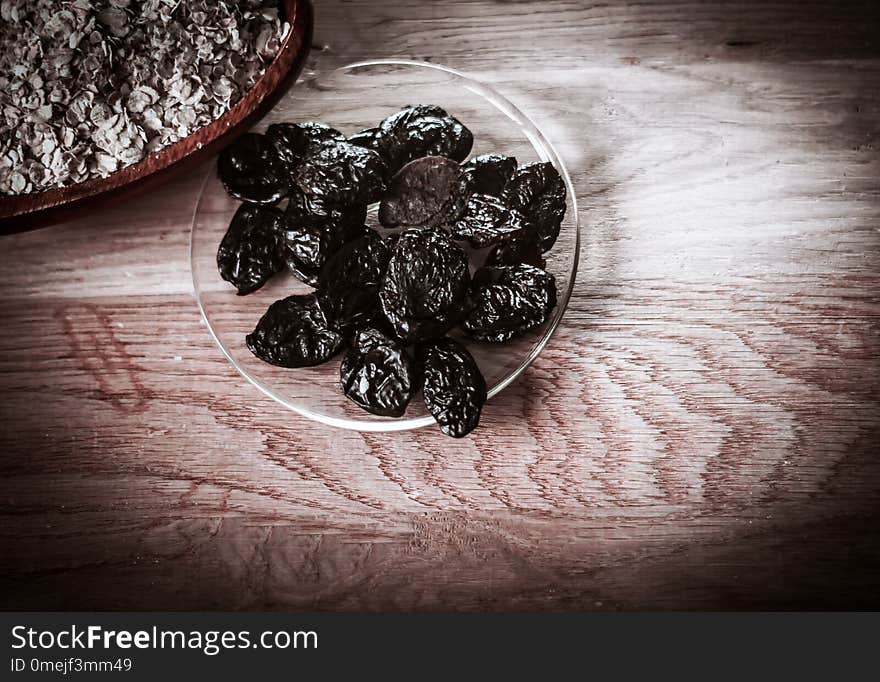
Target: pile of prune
<point>460,246</point>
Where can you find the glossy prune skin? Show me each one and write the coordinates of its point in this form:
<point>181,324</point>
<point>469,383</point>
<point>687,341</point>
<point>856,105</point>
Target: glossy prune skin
<point>360,263</point>
<point>368,137</point>
<point>507,301</point>
<point>421,130</point>
<point>312,232</point>
<point>486,220</point>
<point>538,192</point>
<point>349,282</point>
<point>425,285</point>
<point>522,248</point>
<point>307,248</point>
<point>453,386</point>
<point>312,210</point>
<point>426,192</point>
<point>378,375</point>
<point>293,140</point>
<point>249,253</point>
<point>489,173</point>
<point>251,170</point>
<point>341,173</point>
<point>295,332</point>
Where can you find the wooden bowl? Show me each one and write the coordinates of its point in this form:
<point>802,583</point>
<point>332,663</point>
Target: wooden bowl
<point>38,209</point>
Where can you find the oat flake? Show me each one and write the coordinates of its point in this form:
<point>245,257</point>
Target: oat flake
<point>87,88</point>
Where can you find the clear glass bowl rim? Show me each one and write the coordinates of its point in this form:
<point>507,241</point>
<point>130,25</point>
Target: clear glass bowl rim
<point>403,423</point>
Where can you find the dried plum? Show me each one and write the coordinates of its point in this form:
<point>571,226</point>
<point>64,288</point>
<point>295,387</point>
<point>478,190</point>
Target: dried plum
<point>250,170</point>
<point>307,248</point>
<point>538,191</point>
<point>294,332</point>
<point>312,210</point>
<point>489,172</point>
<point>426,192</point>
<point>312,232</point>
<point>421,130</point>
<point>391,241</point>
<point>368,137</point>
<point>349,282</point>
<point>342,173</point>
<point>378,375</point>
<point>454,388</point>
<point>522,248</point>
<point>425,285</point>
<point>486,220</point>
<point>293,140</point>
<point>506,301</point>
<point>379,295</point>
<point>360,263</point>
<point>249,253</point>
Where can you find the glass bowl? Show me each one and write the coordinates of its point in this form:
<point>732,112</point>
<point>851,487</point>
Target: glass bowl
<point>351,98</point>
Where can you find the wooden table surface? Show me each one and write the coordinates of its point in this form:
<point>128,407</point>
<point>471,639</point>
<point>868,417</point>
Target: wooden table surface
<point>702,431</point>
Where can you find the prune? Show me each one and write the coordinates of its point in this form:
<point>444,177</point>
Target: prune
<point>294,332</point>
<point>342,173</point>
<point>391,241</point>
<point>349,282</point>
<point>522,248</point>
<point>312,210</point>
<point>379,295</point>
<point>425,285</point>
<point>454,388</point>
<point>309,237</point>
<point>360,263</point>
<point>426,192</point>
<point>421,130</point>
<point>486,220</point>
<point>489,172</point>
<point>293,140</point>
<point>249,253</point>
<point>378,375</point>
<point>250,170</point>
<point>307,248</point>
<point>365,138</point>
<point>538,192</point>
<point>508,300</point>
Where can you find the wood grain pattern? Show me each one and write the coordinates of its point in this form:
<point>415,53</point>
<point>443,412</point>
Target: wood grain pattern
<point>701,433</point>
<point>28,211</point>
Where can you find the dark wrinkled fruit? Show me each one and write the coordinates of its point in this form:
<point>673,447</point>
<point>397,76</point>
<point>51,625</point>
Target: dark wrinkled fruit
<point>538,192</point>
<point>249,253</point>
<point>454,388</point>
<point>313,232</point>
<point>425,285</point>
<point>293,140</point>
<point>523,248</point>
<point>391,241</point>
<point>506,301</point>
<point>311,210</point>
<point>422,130</point>
<point>426,192</point>
<point>360,263</point>
<point>378,375</point>
<point>307,248</point>
<point>349,282</point>
<point>342,173</point>
<point>294,332</point>
<point>489,172</point>
<point>486,220</point>
<point>349,310</point>
<point>365,138</point>
<point>250,170</point>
